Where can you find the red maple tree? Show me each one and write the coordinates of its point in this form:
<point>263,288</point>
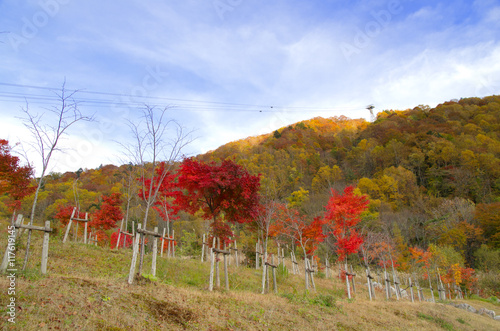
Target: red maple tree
<point>123,239</point>
<point>166,181</point>
<point>110,212</point>
<point>15,180</point>
<point>341,217</point>
<point>305,233</point>
<point>222,192</point>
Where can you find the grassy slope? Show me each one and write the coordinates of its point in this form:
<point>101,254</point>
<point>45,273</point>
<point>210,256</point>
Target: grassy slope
<point>86,289</point>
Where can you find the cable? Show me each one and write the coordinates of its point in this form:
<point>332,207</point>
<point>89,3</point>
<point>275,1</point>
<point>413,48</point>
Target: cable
<point>185,104</point>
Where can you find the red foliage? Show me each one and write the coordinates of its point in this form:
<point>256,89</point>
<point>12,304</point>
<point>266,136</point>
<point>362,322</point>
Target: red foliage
<point>341,217</point>
<point>64,213</point>
<point>15,180</point>
<point>110,212</point>
<point>166,192</point>
<point>123,239</point>
<point>296,226</point>
<point>421,257</point>
<point>226,189</point>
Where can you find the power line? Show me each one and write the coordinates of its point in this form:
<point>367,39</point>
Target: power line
<point>185,104</point>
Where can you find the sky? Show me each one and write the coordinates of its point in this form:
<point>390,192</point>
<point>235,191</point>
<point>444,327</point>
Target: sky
<point>229,69</point>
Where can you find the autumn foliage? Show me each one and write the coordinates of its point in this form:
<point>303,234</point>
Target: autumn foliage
<point>166,192</point>
<point>341,217</point>
<point>293,224</point>
<point>224,193</point>
<point>109,214</point>
<point>15,180</point>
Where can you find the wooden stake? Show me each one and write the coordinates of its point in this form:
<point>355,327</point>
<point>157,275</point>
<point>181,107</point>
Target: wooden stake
<point>173,243</point>
<point>257,255</point>
<point>352,280</point>
<point>217,276</point>
<point>275,286</point>
<point>212,263</point>
<point>347,280</point>
<point>163,243</point>
<point>119,234</point>
<point>368,283</point>
<point>264,261</point>
<point>387,286</point>
<point>311,274</point>
<point>226,275</point>
<point>69,225</point>
<point>155,252</point>
<point>264,270</point>
<point>134,257</point>
<point>202,247</point>
<point>85,234</point>
<point>236,254</point>
<point>45,247</point>
<point>411,289</point>
<point>432,291</point>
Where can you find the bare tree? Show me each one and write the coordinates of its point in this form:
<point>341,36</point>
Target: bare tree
<point>155,144</point>
<point>46,137</point>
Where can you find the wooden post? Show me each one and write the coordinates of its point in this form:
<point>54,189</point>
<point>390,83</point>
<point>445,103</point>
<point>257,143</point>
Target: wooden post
<point>155,252</point>
<point>411,290</point>
<point>119,234</point>
<point>311,274</point>
<point>432,291</point>
<point>387,286</point>
<point>45,247</point>
<point>226,275</point>
<point>85,233</point>
<point>69,225</point>
<point>169,252</point>
<point>202,246</point>
<point>283,257</point>
<point>163,244</point>
<point>368,282</point>
<point>217,275</point>
<point>173,243</point>
<point>85,229</point>
<point>275,286</point>
<point>236,254</point>
<point>353,281</point>
<point>347,280</point>
<point>134,257</point>
<point>264,271</point>
<point>76,232</point>
<point>257,255</point>
<point>212,265</point>
<point>266,266</point>
<point>207,250</point>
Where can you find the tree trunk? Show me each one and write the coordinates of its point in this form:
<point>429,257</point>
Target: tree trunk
<point>144,222</point>
<point>32,217</point>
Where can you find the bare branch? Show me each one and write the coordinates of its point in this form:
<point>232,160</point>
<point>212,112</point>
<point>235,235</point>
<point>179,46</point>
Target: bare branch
<point>46,138</point>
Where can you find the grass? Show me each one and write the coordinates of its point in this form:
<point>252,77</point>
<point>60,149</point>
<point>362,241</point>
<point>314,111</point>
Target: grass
<point>439,321</point>
<point>86,289</point>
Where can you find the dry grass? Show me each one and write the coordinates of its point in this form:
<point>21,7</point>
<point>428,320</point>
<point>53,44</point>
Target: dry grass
<point>86,289</point>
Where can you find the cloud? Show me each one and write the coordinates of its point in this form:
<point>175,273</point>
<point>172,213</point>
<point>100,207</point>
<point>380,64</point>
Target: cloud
<point>258,66</point>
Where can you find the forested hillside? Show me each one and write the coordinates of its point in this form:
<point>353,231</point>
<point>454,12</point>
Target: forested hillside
<point>432,177</point>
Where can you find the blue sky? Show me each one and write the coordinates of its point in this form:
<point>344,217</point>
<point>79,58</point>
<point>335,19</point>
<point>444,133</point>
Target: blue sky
<point>236,68</point>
